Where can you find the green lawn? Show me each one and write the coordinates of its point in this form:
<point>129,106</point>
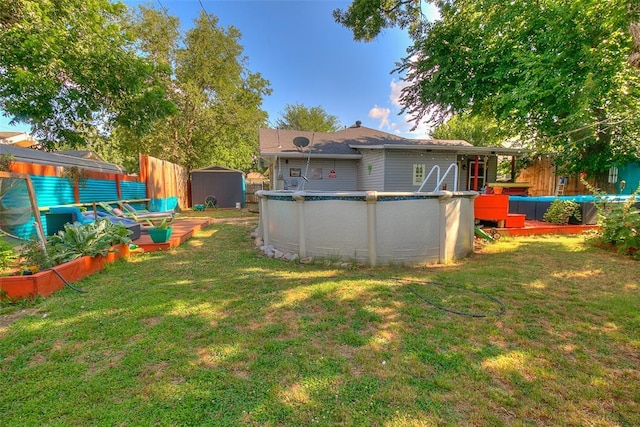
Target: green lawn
<point>214,334</point>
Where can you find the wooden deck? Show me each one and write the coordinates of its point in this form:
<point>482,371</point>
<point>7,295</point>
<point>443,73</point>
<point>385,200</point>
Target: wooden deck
<point>538,227</point>
<point>183,230</point>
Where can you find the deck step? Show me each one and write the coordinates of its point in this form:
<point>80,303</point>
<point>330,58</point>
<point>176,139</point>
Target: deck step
<point>515,220</point>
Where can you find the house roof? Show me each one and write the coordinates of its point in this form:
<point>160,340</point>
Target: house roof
<point>346,143</point>
<point>83,154</point>
<point>29,155</point>
<point>20,139</point>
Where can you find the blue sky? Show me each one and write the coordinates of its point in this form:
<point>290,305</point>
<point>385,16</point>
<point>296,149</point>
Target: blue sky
<point>309,59</point>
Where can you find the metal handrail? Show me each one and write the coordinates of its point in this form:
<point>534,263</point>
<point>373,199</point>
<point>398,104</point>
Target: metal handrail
<point>455,177</point>
<point>434,168</point>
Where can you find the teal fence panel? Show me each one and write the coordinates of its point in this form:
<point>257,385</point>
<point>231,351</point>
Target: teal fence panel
<point>49,191</point>
<point>52,190</point>
<point>133,190</point>
<point>631,175</point>
<point>98,190</point>
<point>164,204</point>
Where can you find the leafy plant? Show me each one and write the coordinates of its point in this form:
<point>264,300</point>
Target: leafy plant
<point>94,238</point>
<point>6,160</point>
<point>75,241</point>
<point>33,254</point>
<point>619,223</point>
<point>75,174</point>
<point>560,211</point>
<point>7,254</point>
<point>164,224</point>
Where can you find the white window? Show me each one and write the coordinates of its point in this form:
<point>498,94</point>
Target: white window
<point>418,174</point>
<point>613,175</point>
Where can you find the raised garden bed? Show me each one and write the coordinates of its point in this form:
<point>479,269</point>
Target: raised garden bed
<point>46,282</point>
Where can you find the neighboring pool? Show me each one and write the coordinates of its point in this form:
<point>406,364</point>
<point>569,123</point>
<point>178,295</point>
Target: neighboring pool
<point>534,207</point>
<point>581,198</point>
<point>371,227</point>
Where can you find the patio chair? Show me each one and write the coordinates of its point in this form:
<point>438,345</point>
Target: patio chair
<point>151,219</point>
<point>128,209</point>
<point>211,202</point>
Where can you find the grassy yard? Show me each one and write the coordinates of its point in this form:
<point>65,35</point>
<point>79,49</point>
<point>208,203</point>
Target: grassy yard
<point>214,334</point>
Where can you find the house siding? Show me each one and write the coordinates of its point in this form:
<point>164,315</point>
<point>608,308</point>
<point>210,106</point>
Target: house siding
<point>371,171</point>
<point>318,173</point>
<point>399,169</point>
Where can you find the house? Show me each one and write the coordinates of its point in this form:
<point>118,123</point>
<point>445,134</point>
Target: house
<point>358,158</point>
<point>19,139</point>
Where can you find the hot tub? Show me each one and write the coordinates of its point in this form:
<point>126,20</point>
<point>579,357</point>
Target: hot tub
<point>370,227</point>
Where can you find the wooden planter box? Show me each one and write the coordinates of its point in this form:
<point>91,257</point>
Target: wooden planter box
<point>46,282</point>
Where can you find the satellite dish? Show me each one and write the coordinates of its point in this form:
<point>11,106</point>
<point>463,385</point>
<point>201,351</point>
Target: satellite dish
<point>300,141</point>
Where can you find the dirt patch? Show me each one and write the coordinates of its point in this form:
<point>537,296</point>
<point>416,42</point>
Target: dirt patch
<point>6,320</point>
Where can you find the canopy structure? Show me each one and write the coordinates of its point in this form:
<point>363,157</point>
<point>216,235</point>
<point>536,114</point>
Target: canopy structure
<point>19,214</point>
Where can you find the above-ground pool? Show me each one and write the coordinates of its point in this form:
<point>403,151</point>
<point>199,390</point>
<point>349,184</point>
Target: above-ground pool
<point>534,207</point>
<point>371,227</point>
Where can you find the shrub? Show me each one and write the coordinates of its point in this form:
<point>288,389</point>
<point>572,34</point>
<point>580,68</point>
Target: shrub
<point>560,211</point>
<point>619,223</point>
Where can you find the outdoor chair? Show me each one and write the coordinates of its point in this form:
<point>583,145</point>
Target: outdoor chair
<point>128,209</point>
<point>211,202</point>
<point>151,219</point>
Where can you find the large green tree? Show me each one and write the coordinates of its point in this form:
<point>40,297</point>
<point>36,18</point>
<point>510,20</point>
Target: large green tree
<point>478,130</point>
<point>218,98</point>
<point>313,119</point>
<point>69,69</point>
<point>556,71</point>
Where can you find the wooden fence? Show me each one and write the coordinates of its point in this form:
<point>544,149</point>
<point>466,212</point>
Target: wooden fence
<point>165,180</point>
<point>544,180</point>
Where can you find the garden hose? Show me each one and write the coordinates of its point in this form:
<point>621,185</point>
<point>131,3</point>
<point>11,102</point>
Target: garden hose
<point>67,283</point>
<point>500,304</point>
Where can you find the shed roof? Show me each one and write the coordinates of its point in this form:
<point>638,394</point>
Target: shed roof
<point>217,169</point>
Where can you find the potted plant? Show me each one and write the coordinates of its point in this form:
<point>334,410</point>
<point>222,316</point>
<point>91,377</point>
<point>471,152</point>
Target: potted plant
<point>161,232</point>
<point>560,211</point>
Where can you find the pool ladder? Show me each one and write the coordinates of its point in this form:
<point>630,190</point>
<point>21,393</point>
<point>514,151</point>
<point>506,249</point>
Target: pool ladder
<point>439,181</point>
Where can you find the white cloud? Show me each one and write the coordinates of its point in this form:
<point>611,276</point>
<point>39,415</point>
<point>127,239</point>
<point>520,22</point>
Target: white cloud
<point>423,130</point>
<point>390,120</point>
<point>396,91</point>
<point>381,114</point>
<point>402,126</point>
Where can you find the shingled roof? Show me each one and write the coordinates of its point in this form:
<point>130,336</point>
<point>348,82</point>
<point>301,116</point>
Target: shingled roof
<point>343,142</point>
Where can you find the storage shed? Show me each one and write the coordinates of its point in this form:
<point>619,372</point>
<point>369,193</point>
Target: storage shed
<point>226,185</point>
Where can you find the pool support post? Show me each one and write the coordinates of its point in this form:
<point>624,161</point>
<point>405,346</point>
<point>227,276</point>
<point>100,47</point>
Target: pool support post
<point>371,198</point>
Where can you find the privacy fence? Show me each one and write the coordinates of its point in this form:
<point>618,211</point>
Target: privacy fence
<point>161,185</point>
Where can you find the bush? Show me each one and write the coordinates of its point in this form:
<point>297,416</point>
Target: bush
<point>619,224</point>
<point>560,211</point>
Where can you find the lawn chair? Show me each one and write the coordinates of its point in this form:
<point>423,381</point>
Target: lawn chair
<point>151,219</point>
<point>128,209</point>
<point>210,202</point>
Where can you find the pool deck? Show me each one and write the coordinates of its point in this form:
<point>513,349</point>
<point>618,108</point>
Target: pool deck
<point>539,227</point>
